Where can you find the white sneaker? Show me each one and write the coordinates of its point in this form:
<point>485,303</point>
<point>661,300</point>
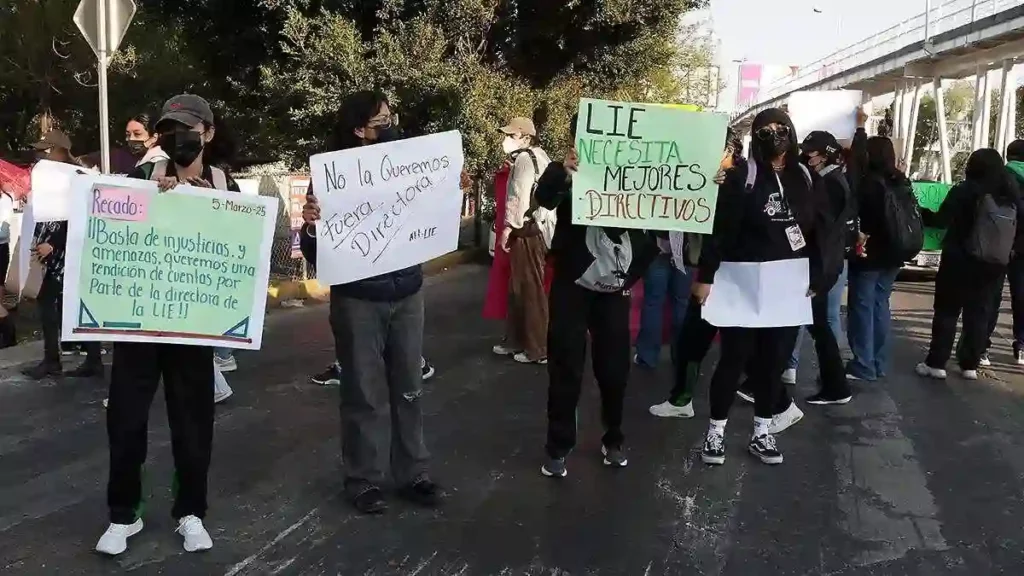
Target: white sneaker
<point>789,376</point>
<point>225,364</point>
<point>969,374</point>
<point>522,358</point>
<point>502,350</point>
<point>929,372</point>
<point>985,361</point>
<point>222,395</point>
<point>115,540</point>
<point>196,537</point>
<point>670,410</point>
<point>782,422</point>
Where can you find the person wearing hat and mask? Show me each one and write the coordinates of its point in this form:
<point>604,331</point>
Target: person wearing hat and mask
<point>522,237</point>
<point>772,218</point>
<point>49,247</point>
<point>185,129</point>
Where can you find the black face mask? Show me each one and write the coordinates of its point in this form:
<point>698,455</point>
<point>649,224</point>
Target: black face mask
<point>137,148</point>
<point>183,147</point>
<point>780,143</point>
<point>389,134</point>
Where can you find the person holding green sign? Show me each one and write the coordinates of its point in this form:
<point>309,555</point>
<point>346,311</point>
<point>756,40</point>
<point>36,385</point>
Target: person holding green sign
<point>186,128</point>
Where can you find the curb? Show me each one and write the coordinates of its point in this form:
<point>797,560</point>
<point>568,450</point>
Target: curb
<point>285,290</point>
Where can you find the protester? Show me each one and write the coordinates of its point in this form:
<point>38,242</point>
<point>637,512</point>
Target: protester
<point>523,239</point>
<point>49,249</point>
<point>142,142</point>
<point>872,272</point>
<point>186,128</point>
<point>980,217</point>
<point>664,281</point>
<point>774,218</point>
<point>365,315</point>
<point>594,269</point>
<point>821,152</point>
<point>694,338</point>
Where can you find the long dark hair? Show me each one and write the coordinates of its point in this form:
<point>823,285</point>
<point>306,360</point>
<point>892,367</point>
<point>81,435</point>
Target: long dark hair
<point>881,159</point>
<point>355,112</point>
<point>222,151</point>
<point>985,169</point>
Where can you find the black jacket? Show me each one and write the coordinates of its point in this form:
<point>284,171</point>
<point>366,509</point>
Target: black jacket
<point>871,189</point>
<point>1018,241</point>
<point>569,244</point>
<point>837,229</point>
<point>958,214</point>
<point>750,225</point>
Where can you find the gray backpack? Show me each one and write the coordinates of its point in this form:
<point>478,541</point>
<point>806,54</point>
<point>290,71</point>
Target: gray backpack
<point>995,228</point>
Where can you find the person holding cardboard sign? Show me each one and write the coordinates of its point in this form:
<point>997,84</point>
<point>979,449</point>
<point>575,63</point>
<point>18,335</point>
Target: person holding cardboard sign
<point>378,338</point>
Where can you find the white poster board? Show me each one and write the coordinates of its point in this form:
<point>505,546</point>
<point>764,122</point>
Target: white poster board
<point>187,266</point>
<point>833,111</point>
<point>760,295</point>
<point>386,207</point>
<point>50,197</point>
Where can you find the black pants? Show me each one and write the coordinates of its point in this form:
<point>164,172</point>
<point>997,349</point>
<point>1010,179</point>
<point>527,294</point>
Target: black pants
<point>962,286</point>
<point>1015,274</point>
<point>187,373</point>
<point>830,359</point>
<point>766,349</point>
<point>51,300</point>
<point>692,344</point>
<point>573,312</point>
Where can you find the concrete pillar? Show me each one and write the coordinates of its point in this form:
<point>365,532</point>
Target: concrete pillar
<point>915,107</point>
<point>897,110</point>
<point>1011,118</point>
<point>908,110</point>
<point>940,115</point>
<point>1006,88</point>
<point>976,113</point>
<point>986,113</point>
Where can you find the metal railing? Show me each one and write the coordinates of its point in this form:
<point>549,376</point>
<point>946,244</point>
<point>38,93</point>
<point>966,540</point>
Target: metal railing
<point>945,16</point>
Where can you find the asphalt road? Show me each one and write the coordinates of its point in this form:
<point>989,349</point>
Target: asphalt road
<point>912,478</point>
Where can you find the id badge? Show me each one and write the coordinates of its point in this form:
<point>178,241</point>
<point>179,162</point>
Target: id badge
<point>796,238</point>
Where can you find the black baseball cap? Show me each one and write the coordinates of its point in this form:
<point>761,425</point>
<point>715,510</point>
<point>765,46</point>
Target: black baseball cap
<point>821,142</point>
<point>187,109</point>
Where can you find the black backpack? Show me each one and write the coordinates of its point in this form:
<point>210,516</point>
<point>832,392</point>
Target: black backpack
<point>995,228</point>
<point>903,224</point>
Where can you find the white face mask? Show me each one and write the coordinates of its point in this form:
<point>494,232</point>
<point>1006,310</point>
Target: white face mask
<point>510,145</point>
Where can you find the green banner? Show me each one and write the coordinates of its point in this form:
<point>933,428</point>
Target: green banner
<point>188,266</point>
<point>647,166</point>
<point>930,196</point>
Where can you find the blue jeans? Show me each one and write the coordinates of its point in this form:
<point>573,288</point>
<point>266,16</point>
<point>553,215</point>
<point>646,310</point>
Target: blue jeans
<point>835,304</point>
<point>662,281</point>
<point>869,321</point>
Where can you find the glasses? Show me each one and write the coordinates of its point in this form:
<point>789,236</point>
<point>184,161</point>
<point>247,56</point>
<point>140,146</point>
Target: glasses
<point>768,133</point>
<point>383,121</point>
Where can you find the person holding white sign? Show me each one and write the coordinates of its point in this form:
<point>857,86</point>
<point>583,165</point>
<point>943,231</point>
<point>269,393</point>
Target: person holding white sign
<point>766,219</point>
<point>185,128</point>
<point>378,333</point>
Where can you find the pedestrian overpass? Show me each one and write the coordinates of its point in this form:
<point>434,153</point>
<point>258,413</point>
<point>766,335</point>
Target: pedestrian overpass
<point>951,39</point>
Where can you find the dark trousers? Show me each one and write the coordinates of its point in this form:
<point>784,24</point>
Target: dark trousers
<point>51,300</point>
<point>692,343</point>
<point>574,312</point>
<point>379,348</point>
<point>1015,274</point>
<point>962,286</point>
<point>187,373</point>
<point>830,360</point>
<point>767,350</point>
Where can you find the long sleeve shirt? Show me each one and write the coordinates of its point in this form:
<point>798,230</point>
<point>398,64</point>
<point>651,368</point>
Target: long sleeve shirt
<point>521,182</point>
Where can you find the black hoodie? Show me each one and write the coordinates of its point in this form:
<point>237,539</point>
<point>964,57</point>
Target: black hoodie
<point>750,225</point>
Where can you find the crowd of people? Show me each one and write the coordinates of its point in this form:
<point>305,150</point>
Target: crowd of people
<point>850,212</point>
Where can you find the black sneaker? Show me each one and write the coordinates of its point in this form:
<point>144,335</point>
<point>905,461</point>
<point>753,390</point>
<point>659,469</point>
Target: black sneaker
<point>366,498</point>
<point>822,399</point>
<point>329,377</point>
<point>87,370</point>
<point>714,449</point>
<point>422,492</point>
<point>763,447</point>
<point>614,457</point>
<point>43,369</point>
<point>428,369</point>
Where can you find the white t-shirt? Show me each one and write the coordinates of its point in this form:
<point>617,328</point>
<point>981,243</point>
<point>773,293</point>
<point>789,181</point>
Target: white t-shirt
<point>6,212</point>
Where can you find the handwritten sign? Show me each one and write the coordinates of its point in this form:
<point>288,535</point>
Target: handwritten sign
<point>647,166</point>
<point>930,196</point>
<point>188,266</point>
<point>386,207</point>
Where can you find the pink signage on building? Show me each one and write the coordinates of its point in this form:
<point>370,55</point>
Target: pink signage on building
<point>749,84</point>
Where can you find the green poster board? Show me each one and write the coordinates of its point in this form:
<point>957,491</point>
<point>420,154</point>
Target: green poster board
<point>647,166</point>
<point>930,196</point>
<point>188,266</point>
